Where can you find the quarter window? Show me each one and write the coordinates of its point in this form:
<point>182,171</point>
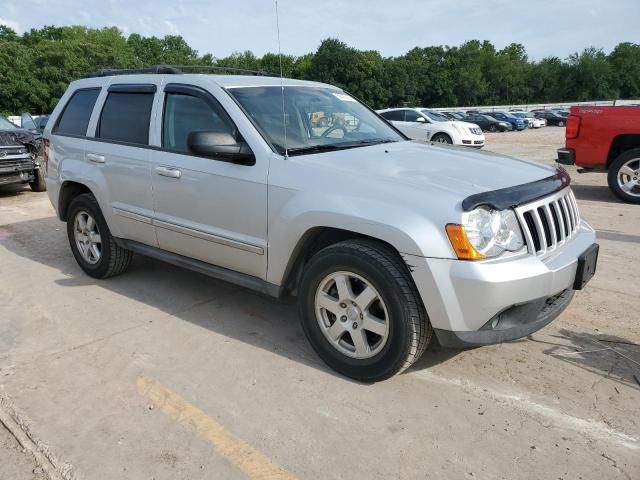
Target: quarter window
<point>184,114</point>
<point>76,114</point>
<point>125,117</point>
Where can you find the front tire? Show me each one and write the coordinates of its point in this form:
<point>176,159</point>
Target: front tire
<point>623,176</point>
<point>361,311</point>
<point>493,128</point>
<point>561,123</point>
<point>92,244</point>
<point>38,184</point>
<point>442,138</point>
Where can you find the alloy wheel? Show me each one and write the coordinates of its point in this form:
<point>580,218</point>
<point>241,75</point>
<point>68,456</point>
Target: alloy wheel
<point>87,237</point>
<point>352,315</point>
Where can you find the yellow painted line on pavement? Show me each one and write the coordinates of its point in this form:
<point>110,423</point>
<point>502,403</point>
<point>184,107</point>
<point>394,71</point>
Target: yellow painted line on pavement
<point>252,462</point>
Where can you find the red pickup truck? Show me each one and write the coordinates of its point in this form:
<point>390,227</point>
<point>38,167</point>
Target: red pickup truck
<point>606,139</point>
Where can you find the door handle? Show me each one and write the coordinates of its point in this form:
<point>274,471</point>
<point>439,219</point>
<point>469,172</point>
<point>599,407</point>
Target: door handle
<point>169,172</point>
<point>95,158</point>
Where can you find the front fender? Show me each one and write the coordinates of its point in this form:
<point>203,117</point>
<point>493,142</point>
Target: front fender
<point>292,215</point>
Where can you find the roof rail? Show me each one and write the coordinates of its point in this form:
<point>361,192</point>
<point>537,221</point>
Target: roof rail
<point>172,70</point>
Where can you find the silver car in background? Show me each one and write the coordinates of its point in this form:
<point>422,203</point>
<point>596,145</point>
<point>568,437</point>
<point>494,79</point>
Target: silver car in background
<point>291,187</point>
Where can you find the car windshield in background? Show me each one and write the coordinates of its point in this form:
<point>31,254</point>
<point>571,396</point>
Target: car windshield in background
<point>6,124</point>
<point>435,116</point>
<point>317,119</point>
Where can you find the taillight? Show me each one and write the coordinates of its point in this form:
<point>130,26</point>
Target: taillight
<point>45,154</point>
<point>573,126</point>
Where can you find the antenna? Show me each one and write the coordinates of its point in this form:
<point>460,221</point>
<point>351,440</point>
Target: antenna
<point>284,114</point>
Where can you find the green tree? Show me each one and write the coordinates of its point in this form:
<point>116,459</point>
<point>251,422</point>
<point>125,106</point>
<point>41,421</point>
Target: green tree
<point>625,62</point>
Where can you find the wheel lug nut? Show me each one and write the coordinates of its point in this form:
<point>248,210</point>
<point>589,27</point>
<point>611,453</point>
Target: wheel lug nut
<point>343,305</point>
<point>355,325</point>
<point>343,318</point>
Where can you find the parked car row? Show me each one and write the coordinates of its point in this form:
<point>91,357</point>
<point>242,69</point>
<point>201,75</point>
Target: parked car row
<point>519,119</point>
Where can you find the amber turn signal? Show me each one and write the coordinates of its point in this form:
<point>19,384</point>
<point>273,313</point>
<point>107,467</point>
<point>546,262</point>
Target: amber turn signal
<point>463,248</point>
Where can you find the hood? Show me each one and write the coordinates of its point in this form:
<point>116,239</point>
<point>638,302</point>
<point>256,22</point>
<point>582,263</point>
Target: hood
<point>20,136</point>
<point>460,123</point>
<point>443,170</point>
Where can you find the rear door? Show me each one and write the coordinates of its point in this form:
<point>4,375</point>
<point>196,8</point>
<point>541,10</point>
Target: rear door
<point>120,149</point>
<point>207,208</point>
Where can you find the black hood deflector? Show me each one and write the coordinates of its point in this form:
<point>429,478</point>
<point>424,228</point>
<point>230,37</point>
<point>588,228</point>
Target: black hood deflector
<point>511,197</point>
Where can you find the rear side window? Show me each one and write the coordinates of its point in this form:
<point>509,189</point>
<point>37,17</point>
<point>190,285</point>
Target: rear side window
<point>76,114</point>
<point>125,117</point>
<point>184,114</point>
<point>394,115</point>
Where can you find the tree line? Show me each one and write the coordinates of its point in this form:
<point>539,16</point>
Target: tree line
<point>36,67</point>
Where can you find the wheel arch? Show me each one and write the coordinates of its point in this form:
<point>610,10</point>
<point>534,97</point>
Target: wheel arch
<point>621,144</point>
<point>311,242</point>
<point>68,191</point>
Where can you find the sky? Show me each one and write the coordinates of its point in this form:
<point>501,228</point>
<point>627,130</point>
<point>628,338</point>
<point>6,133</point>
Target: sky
<point>220,27</point>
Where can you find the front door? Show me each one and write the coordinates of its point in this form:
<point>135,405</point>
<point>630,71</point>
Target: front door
<point>207,208</point>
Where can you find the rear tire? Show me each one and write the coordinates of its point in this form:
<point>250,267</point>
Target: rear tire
<point>623,173</point>
<point>402,330</point>
<point>561,123</point>
<point>92,244</point>
<point>38,184</point>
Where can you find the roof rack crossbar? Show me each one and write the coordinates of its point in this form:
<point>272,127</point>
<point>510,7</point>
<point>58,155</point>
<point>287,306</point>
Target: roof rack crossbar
<point>172,70</point>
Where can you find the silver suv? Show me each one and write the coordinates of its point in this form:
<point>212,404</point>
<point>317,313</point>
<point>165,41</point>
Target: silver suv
<point>295,188</point>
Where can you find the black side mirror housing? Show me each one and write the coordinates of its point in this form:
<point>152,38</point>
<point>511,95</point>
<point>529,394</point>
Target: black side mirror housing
<point>220,145</point>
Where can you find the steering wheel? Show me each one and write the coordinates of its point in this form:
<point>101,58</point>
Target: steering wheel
<point>333,129</point>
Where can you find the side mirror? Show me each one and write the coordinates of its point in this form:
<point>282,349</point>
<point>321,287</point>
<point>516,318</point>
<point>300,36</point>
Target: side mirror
<point>220,144</point>
<point>421,120</point>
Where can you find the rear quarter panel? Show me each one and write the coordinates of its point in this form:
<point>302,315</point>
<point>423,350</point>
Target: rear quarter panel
<point>599,126</point>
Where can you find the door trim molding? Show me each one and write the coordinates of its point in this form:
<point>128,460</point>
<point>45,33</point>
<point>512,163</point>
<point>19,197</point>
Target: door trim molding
<point>210,237</point>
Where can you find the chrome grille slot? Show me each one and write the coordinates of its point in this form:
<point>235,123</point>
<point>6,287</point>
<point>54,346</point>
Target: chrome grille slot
<point>550,222</point>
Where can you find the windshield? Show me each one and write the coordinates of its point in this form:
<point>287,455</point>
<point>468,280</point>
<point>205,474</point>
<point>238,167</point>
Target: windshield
<point>435,116</point>
<point>317,118</point>
<point>6,124</point>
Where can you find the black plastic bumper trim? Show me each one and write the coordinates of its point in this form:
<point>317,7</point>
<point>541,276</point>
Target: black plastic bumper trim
<point>566,156</point>
<point>515,322</point>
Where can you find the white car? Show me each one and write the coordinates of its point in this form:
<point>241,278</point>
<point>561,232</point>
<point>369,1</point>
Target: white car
<point>425,124</point>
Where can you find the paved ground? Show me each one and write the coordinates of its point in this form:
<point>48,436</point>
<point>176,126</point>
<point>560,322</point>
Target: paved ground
<point>166,374</point>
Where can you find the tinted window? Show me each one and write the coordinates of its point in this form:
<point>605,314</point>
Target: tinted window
<point>75,116</point>
<point>125,117</point>
<point>184,114</point>
<point>395,115</point>
<point>411,116</point>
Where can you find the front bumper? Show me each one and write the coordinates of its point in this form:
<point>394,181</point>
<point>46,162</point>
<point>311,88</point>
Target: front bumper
<point>566,156</point>
<point>464,298</point>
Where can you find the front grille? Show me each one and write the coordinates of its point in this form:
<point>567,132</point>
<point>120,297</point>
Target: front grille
<point>475,131</point>
<point>550,222</point>
<point>16,165</point>
<point>7,151</point>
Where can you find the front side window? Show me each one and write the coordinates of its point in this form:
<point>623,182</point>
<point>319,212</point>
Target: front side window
<point>411,116</point>
<point>184,114</point>
<point>314,119</point>
<point>76,114</point>
<point>125,117</point>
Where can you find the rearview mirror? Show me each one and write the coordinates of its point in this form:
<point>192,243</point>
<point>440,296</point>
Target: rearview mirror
<point>220,145</point>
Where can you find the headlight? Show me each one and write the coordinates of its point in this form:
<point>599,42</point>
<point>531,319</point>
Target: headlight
<point>486,233</point>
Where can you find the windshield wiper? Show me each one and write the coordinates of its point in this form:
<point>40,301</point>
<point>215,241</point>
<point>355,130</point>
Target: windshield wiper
<point>337,146</point>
